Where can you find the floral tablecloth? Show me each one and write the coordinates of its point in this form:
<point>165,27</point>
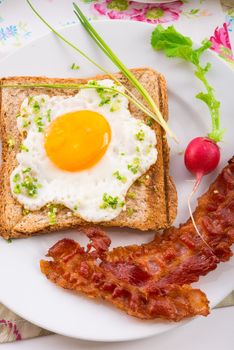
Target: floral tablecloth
<point>197,18</point>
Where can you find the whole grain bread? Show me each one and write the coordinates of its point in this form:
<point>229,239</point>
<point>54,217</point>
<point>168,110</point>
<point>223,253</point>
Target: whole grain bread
<point>155,200</point>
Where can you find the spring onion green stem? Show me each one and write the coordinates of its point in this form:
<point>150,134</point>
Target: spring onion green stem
<point>129,75</point>
<point>76,87</point>
<point>65,40</point>
<point>141,106</point>
<point>154,113</point>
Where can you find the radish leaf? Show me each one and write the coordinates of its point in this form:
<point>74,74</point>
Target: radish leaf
<point>175,44</point>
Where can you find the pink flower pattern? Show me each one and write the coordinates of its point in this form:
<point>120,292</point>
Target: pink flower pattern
<point>221,43</point>
<point>150,13</point>
<point>220,38</point>
<point>11,329</point>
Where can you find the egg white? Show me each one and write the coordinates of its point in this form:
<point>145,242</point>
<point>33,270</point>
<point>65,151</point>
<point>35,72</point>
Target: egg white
<point>83,191</point>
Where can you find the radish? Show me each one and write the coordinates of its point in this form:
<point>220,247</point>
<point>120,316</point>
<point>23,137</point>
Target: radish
<point>202,154</point>
<point>201,157</point>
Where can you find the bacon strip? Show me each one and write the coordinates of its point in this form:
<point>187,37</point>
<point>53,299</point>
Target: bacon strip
<point>152,280</point>
<point>179,255</point>
<point>74,269</point>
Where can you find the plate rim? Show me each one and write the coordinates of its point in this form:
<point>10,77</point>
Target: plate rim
<point>105,20</point>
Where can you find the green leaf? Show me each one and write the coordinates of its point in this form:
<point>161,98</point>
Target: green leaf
<point>204,97</point>
<point>175,44</point>
<point>170,41</point>
<point>206,44</point>
<point>207,67</point>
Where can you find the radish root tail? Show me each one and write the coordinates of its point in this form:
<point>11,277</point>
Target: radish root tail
<point>196,185</point>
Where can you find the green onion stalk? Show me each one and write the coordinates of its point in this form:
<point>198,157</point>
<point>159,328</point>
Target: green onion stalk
<point>152,110</point>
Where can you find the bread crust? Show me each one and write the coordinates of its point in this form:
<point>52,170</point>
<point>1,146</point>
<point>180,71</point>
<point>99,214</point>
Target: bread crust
<point>155,202</point>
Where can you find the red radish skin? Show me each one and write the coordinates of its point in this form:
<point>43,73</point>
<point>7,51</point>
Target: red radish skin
<point>202,156</point>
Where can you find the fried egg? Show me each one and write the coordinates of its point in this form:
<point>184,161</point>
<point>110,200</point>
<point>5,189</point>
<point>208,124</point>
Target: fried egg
<point>83,152</point>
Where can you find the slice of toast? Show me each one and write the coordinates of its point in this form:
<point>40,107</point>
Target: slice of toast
<point>155,200</point>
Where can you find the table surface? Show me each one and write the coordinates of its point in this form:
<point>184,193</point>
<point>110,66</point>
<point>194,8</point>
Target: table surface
<point>215,332</point>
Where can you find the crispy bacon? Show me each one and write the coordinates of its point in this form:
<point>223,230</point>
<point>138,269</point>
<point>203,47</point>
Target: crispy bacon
<point>73,268</point>
<point>152,280</point>
<point>99,241</point>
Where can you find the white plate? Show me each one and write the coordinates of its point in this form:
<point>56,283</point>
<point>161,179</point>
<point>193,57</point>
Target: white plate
<point>23,288</point>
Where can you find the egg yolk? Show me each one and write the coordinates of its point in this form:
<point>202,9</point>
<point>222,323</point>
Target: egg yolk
<point>77,140</point>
